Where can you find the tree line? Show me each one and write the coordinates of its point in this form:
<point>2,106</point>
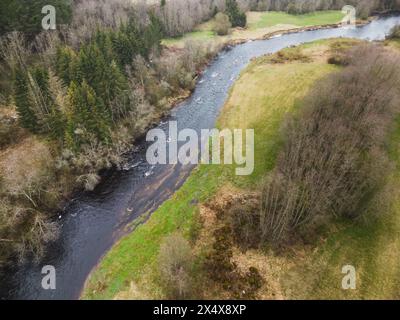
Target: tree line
<point>96,85</point>
<point>177,16</point>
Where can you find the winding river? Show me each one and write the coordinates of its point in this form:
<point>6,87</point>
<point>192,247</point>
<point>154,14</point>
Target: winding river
<point>92,222</point>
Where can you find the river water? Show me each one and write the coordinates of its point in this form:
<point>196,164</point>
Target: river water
<point>92,222</point>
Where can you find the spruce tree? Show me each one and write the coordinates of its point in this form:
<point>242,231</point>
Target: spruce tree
<point>153,34</point>
<point>104,43</point>
<point>54,118</point>
<point>237,18</point>
<point>66,65</point>
<point>101,74</point>
<point>89,59</point>
<point>23,103</point>
<point>113,86</point>
<point>87,113</point>
<point>125,46</point>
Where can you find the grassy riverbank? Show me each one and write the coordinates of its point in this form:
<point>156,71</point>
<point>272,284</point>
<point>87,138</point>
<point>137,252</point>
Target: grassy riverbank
<point>264,93</point>
<point>258,25</point>
<point>130,268</point>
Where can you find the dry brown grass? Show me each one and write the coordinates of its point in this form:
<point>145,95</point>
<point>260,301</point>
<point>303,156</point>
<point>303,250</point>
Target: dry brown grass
<point>24,163</point>
<point>28,192</point>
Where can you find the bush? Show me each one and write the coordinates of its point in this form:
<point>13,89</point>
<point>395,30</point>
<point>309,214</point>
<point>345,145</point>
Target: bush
<point>245,221</point>
<point>339,51</point>
<point>394,33</point>
<point>218,262</point>
<point>338,59</point>
<point>222,24</point>
<point>289,55</point>
<point>10,132</point>
<point>222,270</point>
<point>292,9</point>
<point>175,263</point>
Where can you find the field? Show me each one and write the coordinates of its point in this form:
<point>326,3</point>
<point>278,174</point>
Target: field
<point>259,24</point>
<point>269,19</point>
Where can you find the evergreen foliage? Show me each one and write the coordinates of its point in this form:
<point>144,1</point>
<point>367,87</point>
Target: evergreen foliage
<point>26,15</point>
<point>237,18</point>
<point>23,103</point>
<point>87,116</point>
<point>98,86</point>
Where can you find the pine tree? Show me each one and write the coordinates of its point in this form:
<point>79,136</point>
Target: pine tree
<point>87,114</point>
<point>113,86</point>
<point>52,119</point>
<point>237,18</point>
<point>104,43</point>
<point>23,103</point>
<point>153,34</point>
<point>125,46</point>
<point>66,65</point>
<point>41,76</point>
<point>89,59</point>
<point>101,74</point>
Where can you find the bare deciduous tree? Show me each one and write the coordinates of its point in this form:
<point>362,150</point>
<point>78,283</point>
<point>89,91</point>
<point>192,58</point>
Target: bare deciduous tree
<point>334,160</point>
<point>175,261</point>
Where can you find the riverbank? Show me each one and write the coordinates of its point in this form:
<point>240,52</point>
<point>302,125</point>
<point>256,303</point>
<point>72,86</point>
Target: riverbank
<point>129,270</point>
<point>107,280</point>
<point>261,25</point>
<point>60,186</point>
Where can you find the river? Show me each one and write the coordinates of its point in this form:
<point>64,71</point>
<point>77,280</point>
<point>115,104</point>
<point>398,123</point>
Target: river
<point>91,223</point>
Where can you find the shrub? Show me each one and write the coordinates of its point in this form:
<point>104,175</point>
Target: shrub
<point>222,270</point>
<point>292,9</point>
<point>245,224</point>
<point>338,59</point>
<point>218,262</point>
<point>175,263</point>
<point>339,51</point>
<point>394,33</point>
<point>10,132</point>
<point>254,281</point>
<point>222,24</point>
<point>289,55</point>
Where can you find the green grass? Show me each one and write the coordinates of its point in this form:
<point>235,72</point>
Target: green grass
<point>268,19</point>
<point>258,21</point>
<point>134,258</point>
